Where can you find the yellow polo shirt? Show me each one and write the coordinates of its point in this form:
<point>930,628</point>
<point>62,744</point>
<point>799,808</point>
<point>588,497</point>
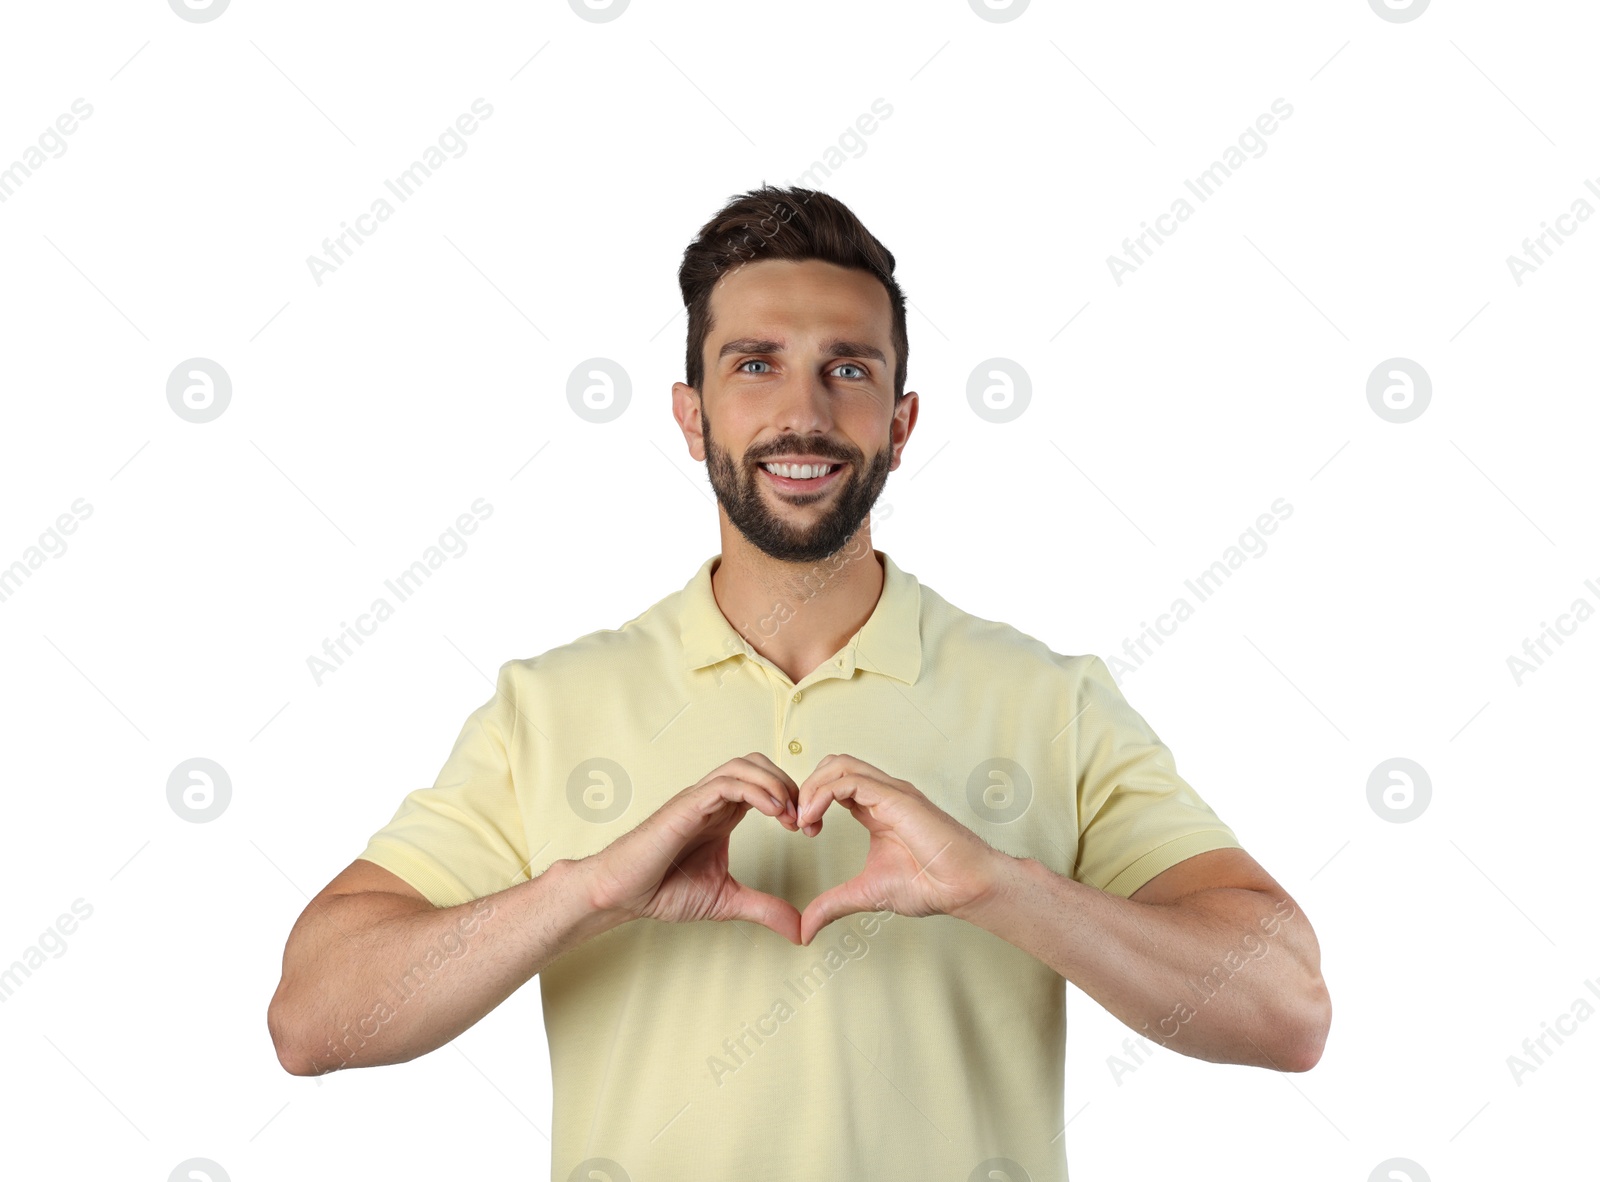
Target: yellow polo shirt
<point>890,1049</point>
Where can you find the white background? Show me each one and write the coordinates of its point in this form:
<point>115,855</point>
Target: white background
<point>370,410</point>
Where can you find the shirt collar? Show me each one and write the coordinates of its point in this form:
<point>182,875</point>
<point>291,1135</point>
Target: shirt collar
<point>890,642</point>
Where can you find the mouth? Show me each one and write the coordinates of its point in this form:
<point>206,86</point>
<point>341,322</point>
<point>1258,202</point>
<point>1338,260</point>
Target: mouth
<point>802,483</point>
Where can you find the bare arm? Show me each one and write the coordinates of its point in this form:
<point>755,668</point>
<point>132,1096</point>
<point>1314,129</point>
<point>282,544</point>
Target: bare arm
<point>375,974</point>
<point>1211,958</point>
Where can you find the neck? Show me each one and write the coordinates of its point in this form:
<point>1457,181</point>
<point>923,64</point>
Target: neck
<point>797,615</point>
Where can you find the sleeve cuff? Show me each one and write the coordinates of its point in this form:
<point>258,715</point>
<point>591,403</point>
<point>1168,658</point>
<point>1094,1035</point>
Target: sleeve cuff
<point>1166,856</point>
<point>439,889</point>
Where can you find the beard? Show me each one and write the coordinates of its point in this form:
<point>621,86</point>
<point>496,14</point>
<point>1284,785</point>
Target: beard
<point>801,534</point>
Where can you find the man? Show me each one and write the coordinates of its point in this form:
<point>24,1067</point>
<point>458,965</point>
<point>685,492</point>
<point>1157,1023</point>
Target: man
<point>956,820</point>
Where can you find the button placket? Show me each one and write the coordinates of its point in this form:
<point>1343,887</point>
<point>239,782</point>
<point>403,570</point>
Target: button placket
<point>794,745</point>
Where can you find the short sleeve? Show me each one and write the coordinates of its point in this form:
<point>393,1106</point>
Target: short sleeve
<point>1136,815</point>
<point>464,837</point>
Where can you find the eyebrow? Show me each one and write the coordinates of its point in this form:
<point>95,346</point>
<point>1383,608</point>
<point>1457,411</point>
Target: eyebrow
<point>833,348</point>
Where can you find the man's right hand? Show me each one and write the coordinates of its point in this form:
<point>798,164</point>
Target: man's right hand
<point>674,865</point>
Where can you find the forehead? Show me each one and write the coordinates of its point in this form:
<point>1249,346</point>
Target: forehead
<point>807,297</point>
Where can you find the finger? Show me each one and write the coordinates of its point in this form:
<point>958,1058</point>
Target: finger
<point>741,790</point>
<point>838,784</point>
<point>830,766</point>
<point>763,761</point>
<point>760,767</point>
<point>767,776</point>
<point>767,910</point>
<point>704,809</point>
<point>812,828</point>
<point>830,769</point>
<point>756,768</point>
<point>847,898</point>
<point>814,795</point>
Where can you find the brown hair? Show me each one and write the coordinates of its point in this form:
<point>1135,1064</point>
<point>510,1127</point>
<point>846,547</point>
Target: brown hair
<point>773,223</point>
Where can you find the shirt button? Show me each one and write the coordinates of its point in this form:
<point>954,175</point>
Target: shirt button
<point>798,694</point>
<point>794,746</point>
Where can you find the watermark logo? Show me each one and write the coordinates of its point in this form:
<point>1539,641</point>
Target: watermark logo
<point>199,390</point>
<point>999,11</point>
<point>599,790</point>
<point>999,790</point>
<point>1398,1169</point>
<point>199,12</point>
<point>999,390</point>
<point>999,1169</point>
<point>598,390</point>
<point>197,1169</point>
<point>199,790</point>
<point>597,1169</point>
<point>1399,790</point>
<point>1399,12</point>
<point>1398,390</point>
<point>599,12</point>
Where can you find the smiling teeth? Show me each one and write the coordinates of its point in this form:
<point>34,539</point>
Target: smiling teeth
<point>798,471</point>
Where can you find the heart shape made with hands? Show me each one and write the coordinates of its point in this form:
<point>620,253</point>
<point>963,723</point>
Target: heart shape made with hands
<point>920,860</point>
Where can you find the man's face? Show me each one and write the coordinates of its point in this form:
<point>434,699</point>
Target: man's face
<point>798,363</point>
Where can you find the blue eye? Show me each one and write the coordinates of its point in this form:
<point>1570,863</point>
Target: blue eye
<point>860,373</point>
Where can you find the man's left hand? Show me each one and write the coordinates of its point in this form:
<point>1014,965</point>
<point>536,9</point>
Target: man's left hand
<point>920,860</point>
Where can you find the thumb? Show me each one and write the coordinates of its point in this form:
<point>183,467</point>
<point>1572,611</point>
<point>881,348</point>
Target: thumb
<point>847,898</point>
<point>767,910</point>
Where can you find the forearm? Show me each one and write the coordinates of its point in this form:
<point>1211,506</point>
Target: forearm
<point>373,978</point>
<point>1228,975</point>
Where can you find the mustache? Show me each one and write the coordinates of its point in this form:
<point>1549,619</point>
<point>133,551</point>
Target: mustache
<point>805,451</point>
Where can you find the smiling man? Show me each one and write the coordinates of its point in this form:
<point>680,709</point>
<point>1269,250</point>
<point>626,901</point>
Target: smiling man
<point>867,979</point>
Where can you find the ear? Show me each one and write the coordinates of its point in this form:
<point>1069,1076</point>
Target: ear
<point>900,425</point>
<point>686,409</point>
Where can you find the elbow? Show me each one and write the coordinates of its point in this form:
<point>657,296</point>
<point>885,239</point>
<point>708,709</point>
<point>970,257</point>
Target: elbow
<point>294,1065</point>
<point>284,1044</point>
<point>293,1062</point>
<point>1310,1030</point>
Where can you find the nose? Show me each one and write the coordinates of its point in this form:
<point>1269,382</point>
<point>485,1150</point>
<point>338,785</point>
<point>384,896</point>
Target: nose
<point>803,407</point>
